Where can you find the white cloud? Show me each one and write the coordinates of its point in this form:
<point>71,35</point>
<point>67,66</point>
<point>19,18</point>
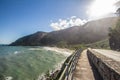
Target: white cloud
<point>55,26</point>
<point>69,22</point>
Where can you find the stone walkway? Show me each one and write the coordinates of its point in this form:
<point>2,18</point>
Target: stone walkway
<point>85,70</point>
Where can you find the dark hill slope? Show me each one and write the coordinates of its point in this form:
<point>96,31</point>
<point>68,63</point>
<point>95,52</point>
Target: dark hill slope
<point>30,40</point>
<point>90,32</point>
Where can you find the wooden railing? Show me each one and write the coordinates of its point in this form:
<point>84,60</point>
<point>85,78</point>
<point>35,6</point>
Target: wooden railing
<point>70,66</point>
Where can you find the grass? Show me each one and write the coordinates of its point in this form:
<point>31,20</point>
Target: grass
<point>103,44</point>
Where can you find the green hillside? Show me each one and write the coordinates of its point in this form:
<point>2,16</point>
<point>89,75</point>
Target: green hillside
<point>103,44</point>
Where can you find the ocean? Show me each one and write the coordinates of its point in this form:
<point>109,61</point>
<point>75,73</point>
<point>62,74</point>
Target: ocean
<point>27,62</point>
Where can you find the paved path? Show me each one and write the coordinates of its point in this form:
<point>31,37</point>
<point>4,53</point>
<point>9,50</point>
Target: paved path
<point>84,70</point>
<point>109,53</point>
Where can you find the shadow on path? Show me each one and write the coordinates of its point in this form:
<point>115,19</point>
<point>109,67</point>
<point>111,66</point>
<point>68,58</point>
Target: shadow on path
<point>96,74</point>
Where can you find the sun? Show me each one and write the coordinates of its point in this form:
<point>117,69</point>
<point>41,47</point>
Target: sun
<point>100,8</point>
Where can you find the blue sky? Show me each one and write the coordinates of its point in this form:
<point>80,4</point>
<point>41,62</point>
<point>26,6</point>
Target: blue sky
<point>22,17</point>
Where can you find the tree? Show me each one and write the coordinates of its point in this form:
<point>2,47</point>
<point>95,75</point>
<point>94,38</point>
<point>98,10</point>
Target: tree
<point>2,77</point>
<point>114,37</point>
<point>118,11</point>
<point>62,44</point>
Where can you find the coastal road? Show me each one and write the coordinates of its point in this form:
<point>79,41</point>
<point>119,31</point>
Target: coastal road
<point>85,70</point>
<point>109,53</point>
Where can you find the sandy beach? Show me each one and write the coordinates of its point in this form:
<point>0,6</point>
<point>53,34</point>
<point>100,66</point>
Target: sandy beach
<point>66,52</point>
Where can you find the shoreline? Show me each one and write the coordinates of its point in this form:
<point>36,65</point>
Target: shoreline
<point>57,67</point>
<point>64,51</point>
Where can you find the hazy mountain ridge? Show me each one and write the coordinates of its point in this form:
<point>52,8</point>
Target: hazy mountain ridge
<point>90,32</point>
<point>33,39</point>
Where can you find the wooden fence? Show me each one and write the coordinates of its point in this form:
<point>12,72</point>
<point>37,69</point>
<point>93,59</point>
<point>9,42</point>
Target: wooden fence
<point>70,66</point>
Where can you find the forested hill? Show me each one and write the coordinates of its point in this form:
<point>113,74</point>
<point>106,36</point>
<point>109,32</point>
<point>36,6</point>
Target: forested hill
<point>90,32</point>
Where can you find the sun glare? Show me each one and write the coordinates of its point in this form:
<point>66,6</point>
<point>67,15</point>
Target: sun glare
<point>100,8</point>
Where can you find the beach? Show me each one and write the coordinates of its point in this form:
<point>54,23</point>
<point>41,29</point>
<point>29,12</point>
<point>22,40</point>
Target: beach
<point>64,51</point>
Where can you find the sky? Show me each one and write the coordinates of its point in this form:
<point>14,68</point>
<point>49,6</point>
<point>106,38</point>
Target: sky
<point>23,17</point>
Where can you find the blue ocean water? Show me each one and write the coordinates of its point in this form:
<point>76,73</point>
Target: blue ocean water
<point>26,62</point>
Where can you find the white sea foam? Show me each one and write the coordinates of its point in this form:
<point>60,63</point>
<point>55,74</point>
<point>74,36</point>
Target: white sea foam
<point>16,52</point>
<point>57,67</point>
<point>34,49</point>
<point>8,78</point>
<point>65,52</point>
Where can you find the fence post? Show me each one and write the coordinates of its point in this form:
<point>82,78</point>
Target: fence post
<point>70,66</point>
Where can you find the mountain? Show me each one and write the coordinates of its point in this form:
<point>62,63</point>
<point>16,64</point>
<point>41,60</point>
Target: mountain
<point>33,39</point>
<point>90,32</point>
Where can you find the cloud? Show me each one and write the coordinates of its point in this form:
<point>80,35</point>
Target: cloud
<point>72,21</point>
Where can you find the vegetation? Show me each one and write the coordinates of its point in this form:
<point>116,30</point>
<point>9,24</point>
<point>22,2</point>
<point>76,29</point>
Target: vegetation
<point>103,44</point>
<point>78,46</point>
<point>2,77</point>
<point>118,11</point>
<point>114,37</point>
<point>62,44</point>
